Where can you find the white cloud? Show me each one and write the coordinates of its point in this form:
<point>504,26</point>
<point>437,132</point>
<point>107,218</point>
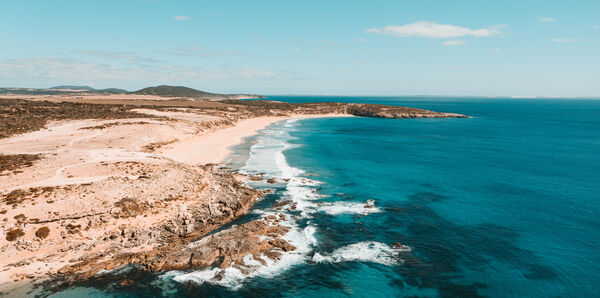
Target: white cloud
<point>495,50</point>
<point>434,30</point>
<point>596,27</point>
<point>548,20</point>
<point>567,40</point>
<point>362,40</point>
<point>182,18</point>
<point>297,50</point>
<point>453,43</point>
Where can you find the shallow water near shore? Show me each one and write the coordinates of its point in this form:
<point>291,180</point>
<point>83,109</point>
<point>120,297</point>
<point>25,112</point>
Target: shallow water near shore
<point>502,204</point>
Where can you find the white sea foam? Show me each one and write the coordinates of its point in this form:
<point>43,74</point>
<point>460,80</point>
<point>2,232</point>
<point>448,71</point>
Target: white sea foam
<point>285,170</point>
<point>289,122</point>
<point>267,156</point>
<point>232,277</point>
<point>308,202</point>
<point>336,208</point>
<point>368,251</point>
<point>250,261</point>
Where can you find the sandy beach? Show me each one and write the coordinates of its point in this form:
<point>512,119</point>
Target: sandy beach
<point>214,147</point>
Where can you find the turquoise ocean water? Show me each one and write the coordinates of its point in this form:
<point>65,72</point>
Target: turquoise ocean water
<point>504,204</point>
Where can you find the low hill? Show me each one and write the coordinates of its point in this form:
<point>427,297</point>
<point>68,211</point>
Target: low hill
<point>113,90</point>
<point>69,87</point>
<point>185,92</point>
<point>173,91</point>
<point>90,89</point>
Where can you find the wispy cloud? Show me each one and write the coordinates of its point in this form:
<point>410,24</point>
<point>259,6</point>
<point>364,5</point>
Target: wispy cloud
<point>328,43</point>
<point>597,27</point>
<point>324,45</point>
<point>566,40</point>
<point>246,73</point>
<point>69,70</point>
<point>435,30</point>
<point>298,45</point>
<point>197,51</point>
<point>182,18</point>
<point>220,74</point>
<point>496,50</point>
<point>548,20</point>
<point>362,40</point>
<point>130,56</point>
<point>57,71</point>
<point>453,43</point>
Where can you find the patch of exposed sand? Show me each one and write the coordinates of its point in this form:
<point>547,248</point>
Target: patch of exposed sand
<point>214,147</point>
<point>66,145</point>
<point>188,116</point>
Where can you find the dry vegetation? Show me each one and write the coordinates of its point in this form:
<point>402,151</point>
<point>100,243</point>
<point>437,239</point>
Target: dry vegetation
<point>42,232</point>
<point>267,107</point>
<point>13,234</point>
<point>107,125</point>
<point>155,146</point>
<point>13,162</point>
<point>20,116</point>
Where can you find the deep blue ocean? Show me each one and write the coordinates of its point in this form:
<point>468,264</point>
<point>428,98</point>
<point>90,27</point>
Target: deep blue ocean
<point>503,204</point>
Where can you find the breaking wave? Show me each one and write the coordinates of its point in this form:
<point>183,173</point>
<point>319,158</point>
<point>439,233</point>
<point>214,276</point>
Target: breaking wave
<point>267,157</point>
<point>368,251</point>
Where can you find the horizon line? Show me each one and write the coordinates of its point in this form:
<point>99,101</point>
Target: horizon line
<point>437,96</point>
<point>349,95</point>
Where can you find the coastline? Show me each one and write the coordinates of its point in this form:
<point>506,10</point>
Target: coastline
<point>215,146</point>
<point>296,204</point>
<point>104,187</point>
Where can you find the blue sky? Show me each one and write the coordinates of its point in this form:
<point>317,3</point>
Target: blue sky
<point>517,48</point>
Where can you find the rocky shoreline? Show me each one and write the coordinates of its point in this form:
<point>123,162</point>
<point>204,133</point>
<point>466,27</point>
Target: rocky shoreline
<point>178,243</point>
<point>171,250</point>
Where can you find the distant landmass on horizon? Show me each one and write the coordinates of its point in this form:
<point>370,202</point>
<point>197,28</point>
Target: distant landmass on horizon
<point>166,91</point>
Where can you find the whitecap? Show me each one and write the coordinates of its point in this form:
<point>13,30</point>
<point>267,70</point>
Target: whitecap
<point>336,208</point>
<point>368,251</point>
